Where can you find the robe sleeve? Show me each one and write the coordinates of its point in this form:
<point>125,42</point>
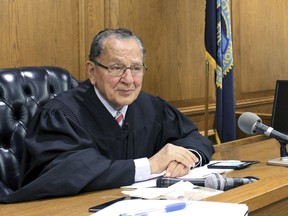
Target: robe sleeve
<point>181,131</point>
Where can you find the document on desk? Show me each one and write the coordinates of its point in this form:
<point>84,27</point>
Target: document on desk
<point>161,207</point>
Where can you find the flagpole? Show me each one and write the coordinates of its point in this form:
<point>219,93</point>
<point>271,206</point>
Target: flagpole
<point>206,115</point>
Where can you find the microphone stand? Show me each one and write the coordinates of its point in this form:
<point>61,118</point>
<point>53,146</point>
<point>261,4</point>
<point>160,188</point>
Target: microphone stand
<point>283,160</point>
<point>283,150</point>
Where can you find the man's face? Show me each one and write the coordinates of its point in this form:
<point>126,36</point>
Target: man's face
<point>118,91</point>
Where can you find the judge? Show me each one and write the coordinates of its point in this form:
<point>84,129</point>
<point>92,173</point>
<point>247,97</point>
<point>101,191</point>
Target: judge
<point>75,145</point>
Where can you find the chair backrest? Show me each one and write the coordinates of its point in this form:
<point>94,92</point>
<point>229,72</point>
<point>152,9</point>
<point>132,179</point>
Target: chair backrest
<point>22,92</point>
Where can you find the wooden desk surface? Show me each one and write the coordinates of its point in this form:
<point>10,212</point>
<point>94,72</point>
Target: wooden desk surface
<point>268,196</point>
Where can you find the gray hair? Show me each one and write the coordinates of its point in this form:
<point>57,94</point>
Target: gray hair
<point>121,33</point>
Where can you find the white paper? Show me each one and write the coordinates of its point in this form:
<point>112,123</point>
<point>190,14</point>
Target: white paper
<point>203,208</point>
<point>203,171</point>
<point>182,190</point>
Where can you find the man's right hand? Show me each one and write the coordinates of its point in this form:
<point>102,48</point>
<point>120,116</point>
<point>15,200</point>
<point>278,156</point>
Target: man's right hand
<point>177,156</point>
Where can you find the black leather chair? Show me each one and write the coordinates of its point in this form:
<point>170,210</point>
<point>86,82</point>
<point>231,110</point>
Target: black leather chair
<point>22,92</point>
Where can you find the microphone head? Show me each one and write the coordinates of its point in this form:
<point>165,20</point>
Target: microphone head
<point>215,181</point>
<point>218,182</point>
<point>247,122</point>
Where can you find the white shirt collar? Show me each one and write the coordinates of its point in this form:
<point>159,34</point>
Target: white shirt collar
<point>111,109</point>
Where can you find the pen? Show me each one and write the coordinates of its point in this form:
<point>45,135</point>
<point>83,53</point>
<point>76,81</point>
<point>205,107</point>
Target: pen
<point>167,208</point>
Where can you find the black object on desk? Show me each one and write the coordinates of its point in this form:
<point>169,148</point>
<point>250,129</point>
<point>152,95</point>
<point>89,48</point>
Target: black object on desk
<point>231,164</point>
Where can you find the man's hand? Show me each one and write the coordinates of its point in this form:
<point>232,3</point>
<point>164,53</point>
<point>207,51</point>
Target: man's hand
<point>176,169</point>
<point>175,160</point>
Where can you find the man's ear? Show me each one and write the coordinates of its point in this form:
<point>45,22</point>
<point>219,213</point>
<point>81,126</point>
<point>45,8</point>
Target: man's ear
<point>90,69</point>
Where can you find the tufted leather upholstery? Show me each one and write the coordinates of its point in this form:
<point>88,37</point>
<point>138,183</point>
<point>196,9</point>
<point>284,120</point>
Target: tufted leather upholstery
<point>22,92</point>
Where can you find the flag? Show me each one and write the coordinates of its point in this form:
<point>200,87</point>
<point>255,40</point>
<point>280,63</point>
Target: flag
<point>219,54</point>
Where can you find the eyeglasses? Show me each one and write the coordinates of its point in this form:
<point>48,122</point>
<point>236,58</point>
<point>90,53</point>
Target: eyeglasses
<point>117,70</point>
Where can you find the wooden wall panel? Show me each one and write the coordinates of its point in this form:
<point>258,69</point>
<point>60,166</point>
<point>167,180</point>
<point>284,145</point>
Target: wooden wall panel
<point>172,31</point>
<point>260,31</point>
<point>59,32</point>
<point>260,38</point>
<point>91,21</point>
<point>39,32</point>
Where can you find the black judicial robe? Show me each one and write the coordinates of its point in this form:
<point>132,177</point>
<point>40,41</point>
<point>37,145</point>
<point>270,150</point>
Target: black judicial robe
<point>74,145</point>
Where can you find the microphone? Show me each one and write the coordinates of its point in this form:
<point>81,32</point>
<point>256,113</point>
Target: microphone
<point>218,182</point>
<point>163,182</point>
<point>250,123</point>
<point>214,181</point>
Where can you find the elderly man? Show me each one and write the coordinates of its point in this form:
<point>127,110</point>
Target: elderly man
<point>106,132</point>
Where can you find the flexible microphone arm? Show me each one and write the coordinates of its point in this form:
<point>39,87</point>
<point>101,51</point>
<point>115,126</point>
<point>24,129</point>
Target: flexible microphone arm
<point>270,132</point>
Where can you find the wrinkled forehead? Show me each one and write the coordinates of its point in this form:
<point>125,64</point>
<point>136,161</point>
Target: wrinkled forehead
<point>121,46</point>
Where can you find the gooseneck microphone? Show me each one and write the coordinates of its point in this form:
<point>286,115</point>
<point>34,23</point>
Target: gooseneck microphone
<point>214,181</point>
<point>250,123</point>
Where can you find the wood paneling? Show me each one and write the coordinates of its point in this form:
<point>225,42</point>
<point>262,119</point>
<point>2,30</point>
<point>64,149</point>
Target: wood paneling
<point>92,20</point>
<point>172,31</point>
<point>260,39</point>
<point>39,32</point>
<point>59,32</point>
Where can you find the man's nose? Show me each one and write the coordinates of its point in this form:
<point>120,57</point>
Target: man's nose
<point>127,75</point>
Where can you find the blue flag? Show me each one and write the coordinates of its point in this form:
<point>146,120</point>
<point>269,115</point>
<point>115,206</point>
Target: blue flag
<point>219,53</point>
